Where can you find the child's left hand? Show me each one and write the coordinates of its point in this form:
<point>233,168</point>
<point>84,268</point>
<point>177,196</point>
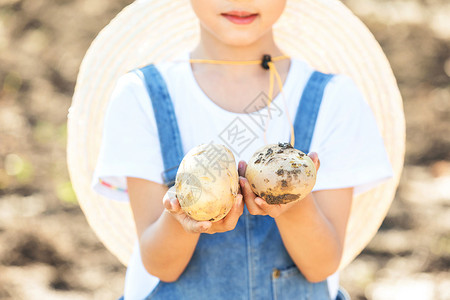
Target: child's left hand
<point>258,206</point>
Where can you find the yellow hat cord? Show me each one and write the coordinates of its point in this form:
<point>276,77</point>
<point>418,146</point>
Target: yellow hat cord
<point>267,63</point>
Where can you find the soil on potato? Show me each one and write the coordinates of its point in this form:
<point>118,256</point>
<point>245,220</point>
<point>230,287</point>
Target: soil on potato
<point>47,249</point>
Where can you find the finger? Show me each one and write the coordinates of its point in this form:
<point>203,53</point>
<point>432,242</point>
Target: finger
<point>237,209</point>
<point>202,226</point>
<point>264,206</point>
<point>229,222</point>
<point>166,203</point>
<point>173,206</point>
<point>315,158</point>
<point>253,207</point>
<point>172,192</point>
<point>242,167</point>
<point>171,203</point>
<point>191,225</point>
<point>246,189</point>
<point>249,197</point>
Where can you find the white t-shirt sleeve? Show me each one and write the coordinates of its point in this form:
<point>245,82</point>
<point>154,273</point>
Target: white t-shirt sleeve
<point>130,142</point>
<point>349,143</point>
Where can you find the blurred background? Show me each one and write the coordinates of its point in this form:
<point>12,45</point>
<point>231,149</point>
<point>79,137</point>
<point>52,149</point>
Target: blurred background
<point>47,250</point>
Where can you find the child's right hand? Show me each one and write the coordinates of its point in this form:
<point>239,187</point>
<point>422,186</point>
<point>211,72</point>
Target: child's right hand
<point>228,223</point>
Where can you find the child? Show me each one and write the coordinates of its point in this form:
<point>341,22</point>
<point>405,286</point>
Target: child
<point>258,251</point>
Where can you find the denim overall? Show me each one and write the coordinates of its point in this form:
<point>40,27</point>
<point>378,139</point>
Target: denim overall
<point>249,262</point>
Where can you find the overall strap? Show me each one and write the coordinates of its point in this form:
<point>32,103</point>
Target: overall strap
<point>308,109</point>
<point>168,131</point>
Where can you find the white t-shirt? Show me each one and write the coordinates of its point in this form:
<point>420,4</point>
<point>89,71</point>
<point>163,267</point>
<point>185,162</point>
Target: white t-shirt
<point>345,131</point>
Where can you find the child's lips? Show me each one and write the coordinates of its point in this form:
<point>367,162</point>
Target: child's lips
<point>240,17</point>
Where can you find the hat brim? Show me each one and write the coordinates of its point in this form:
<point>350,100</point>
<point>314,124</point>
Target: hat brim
<point>324,33</point>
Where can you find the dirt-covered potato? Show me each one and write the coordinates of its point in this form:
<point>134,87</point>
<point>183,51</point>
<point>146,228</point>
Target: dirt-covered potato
<point>280,174</point>
<point>207,182</point>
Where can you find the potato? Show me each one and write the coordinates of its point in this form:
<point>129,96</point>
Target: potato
<point>280,173</point>
<point>207,182</point>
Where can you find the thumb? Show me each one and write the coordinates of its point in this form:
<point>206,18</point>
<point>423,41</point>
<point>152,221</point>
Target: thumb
<point>170,201</point>
<point>242,167</point>
<point>247,192</point>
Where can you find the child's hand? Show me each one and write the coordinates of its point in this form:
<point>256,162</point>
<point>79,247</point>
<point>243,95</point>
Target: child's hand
<point>228,223</point>
<point>258,206</point>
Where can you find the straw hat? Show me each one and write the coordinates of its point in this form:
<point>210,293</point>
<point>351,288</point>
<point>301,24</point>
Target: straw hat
<point>323,32</point>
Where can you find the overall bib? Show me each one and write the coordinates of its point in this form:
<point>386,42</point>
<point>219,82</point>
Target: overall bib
<point>249,262</point>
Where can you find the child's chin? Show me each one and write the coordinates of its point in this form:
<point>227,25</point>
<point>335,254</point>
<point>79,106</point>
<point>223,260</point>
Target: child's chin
<point>237,39</point>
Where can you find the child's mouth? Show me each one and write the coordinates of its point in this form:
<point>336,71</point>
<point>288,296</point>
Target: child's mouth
<point>238,17</point>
